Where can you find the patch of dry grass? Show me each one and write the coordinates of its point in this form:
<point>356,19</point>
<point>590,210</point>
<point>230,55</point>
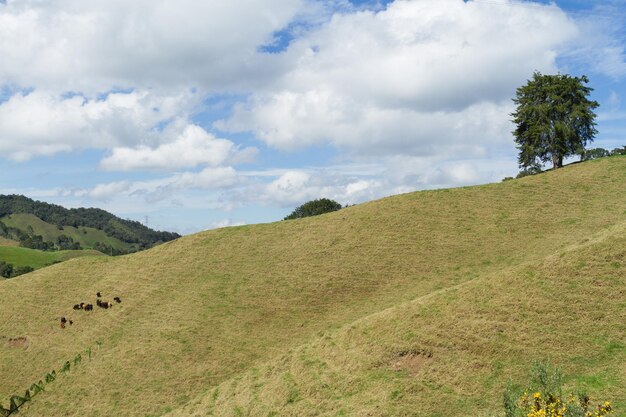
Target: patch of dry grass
<point>8,242</point>
<point>204,309</point>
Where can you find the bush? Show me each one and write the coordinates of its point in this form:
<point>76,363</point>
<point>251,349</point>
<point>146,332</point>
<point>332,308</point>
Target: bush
<point>619,151</point>
<point>9,271</point>
<point>532,170</point>
<point>6,270</point>
<point>594,153</point>
<point>544,398</point>
<point>314,208</point>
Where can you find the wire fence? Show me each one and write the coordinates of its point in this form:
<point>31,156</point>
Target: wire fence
<point>18,401</point>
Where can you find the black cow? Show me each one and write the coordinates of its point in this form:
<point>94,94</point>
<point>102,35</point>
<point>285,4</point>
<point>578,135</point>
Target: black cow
<point>117,299</point>
<point>77,307</point>
<point>89,307</point>
<point>98,294</point>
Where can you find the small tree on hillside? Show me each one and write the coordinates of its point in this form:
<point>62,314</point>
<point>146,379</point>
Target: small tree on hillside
<point>554,119</point>
<point>618,151</point>
<point>594,153</point>
<point>314,208</point>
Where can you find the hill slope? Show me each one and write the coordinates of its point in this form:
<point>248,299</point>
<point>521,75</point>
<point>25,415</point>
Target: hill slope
<point>87,237</point>
<point>221,307</point>
<point>452,352</point>
<point>90,227</point>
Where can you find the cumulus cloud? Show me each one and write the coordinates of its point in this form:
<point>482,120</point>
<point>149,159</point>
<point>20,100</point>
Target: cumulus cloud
<point>409,78</point>
<point>87,74</point>
<point>210,178</point>
<point>193,146</point>
<point>356,183</point>
<point>91,45</point>
<point>290,121</point>
<point>44,123</point>
<point>108,191</point>
<point>293,187</point>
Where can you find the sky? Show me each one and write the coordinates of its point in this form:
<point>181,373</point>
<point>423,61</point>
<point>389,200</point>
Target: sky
<point>192,115</point>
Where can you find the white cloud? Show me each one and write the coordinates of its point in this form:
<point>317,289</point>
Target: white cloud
<point>92,45</point>
<point>61,57</point>
<point>227,223</point>
<point>427,77</point>
<point>289,121</point>
<point>192,147</point>
<point>43,123</point>
<point>294,187</point>
<point>108,191</point>
<point>210,178</point>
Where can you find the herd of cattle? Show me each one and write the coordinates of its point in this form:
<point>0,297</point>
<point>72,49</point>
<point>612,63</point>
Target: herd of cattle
<point>89,307</point>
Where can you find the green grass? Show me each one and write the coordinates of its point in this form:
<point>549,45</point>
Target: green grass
<point>316,316</point>
<point>86,236</point>
<point>37,259</point>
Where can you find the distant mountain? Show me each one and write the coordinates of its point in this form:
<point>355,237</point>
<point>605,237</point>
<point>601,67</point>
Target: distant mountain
<point>44,226</point>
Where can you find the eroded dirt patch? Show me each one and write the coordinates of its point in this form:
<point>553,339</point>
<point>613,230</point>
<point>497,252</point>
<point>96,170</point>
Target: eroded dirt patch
<point>20,342</point>
<point>411,361</point>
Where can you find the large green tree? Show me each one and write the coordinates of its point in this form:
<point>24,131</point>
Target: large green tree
<point>554,119</point>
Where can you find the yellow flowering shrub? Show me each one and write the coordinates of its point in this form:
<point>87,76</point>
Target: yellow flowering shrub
<point>545,398</point>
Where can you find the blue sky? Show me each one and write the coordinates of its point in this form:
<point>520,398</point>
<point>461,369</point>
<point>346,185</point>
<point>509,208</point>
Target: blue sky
<point>208,114</point>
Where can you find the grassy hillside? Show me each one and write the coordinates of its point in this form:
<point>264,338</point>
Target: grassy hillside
<point>37,259</point>
<point>313,314</point>
<point>86,236</point>
<point>452,352</point>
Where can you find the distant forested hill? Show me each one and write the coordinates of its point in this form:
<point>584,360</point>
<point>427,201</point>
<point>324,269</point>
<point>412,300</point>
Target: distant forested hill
<point>44,226</point>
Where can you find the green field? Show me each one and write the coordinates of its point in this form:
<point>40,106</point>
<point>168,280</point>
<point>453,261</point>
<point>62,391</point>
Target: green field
<point>422,304</point>
<point>37,259</point>
<point>86,236</point>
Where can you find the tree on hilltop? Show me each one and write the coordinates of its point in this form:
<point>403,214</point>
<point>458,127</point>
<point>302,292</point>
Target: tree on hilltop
<point>554,119</point>
<point>314,208</point>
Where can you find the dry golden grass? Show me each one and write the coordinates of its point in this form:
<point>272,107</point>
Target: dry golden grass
<point>208,309</point>
<point>8,242</point>
<point>452,352</point>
